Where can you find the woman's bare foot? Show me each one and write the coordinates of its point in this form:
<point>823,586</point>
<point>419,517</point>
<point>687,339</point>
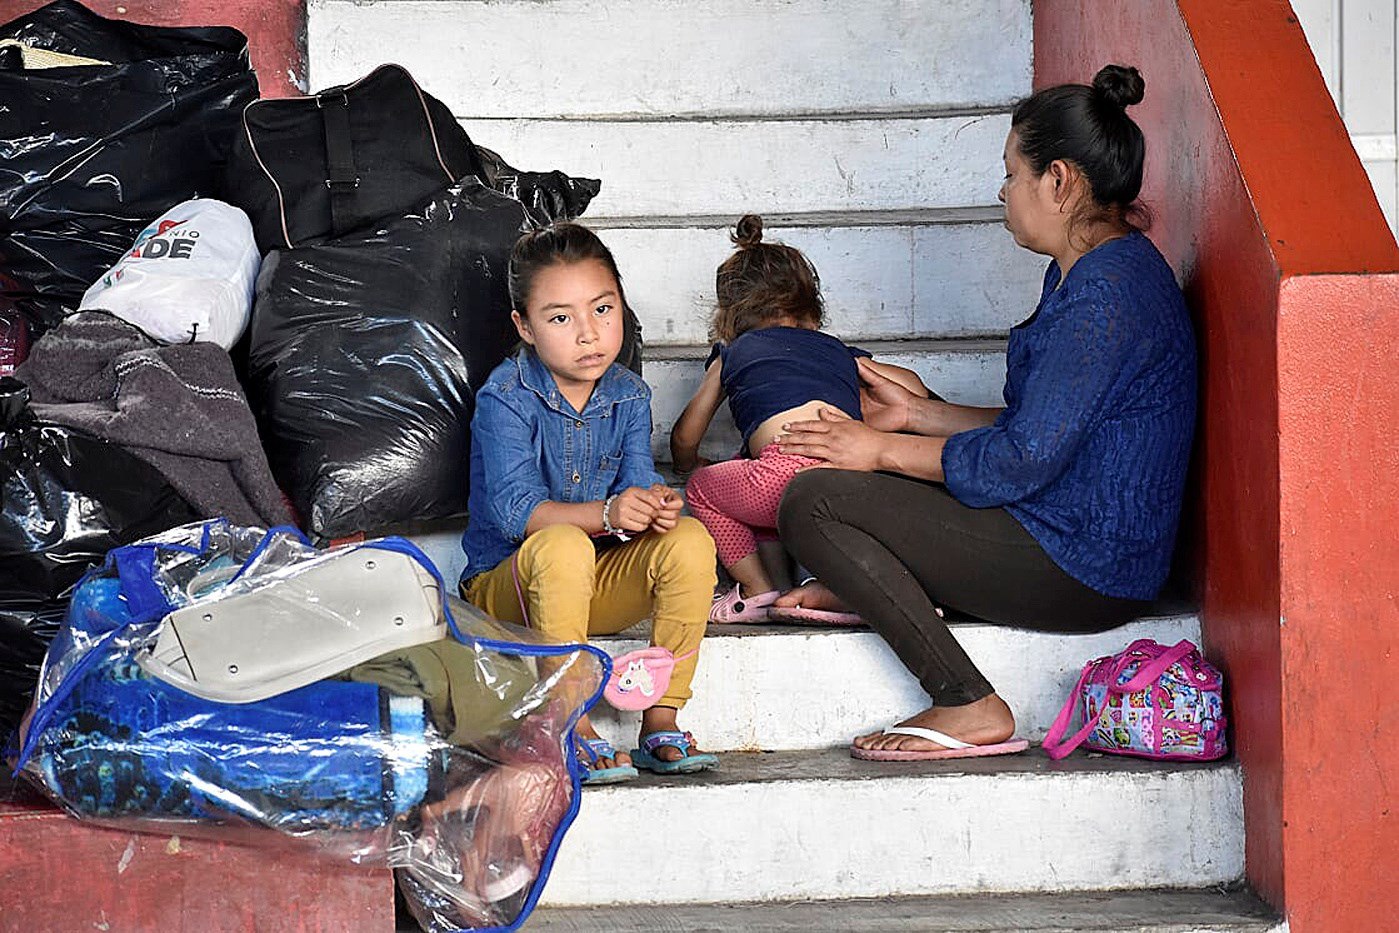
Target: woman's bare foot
<point>662,719</point>
<point>984,722</point>
<point>813,595</point>
<point>585,730</point>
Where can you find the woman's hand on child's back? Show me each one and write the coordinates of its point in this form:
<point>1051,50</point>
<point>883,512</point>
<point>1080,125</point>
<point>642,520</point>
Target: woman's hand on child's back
<point>836,438</point>
<point>885,405</point>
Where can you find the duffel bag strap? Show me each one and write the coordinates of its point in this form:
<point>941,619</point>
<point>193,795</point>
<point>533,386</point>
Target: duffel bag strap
<point>340,175</point>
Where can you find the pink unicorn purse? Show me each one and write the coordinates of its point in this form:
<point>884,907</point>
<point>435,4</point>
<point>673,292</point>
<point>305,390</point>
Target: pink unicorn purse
<point>640,678</point>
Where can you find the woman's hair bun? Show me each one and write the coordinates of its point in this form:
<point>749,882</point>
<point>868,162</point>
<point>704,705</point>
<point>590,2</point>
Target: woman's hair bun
<point>748,232</point>
<point>1121,85</point>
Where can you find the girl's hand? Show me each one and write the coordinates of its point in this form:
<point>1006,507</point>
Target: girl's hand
<point>668,509</point>
<point>634,509</point>
<point>885,405</point>
<point>836,438</point>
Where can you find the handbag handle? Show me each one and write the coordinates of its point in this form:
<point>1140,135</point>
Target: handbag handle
<point>1150,673</point>
<point>1052,744</point>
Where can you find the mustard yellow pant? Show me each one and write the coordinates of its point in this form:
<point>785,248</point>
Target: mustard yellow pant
<point>573,592</point>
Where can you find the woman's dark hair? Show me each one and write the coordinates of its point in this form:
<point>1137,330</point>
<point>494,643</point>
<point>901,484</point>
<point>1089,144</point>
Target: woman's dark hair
<point>762,283</point>
<point>554,245</point>
<point>1089,127</point>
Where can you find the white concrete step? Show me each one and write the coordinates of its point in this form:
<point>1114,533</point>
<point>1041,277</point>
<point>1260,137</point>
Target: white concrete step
<point>651,167</point>
<point>1152,910</point>
<point>782,688</point>
<point>884,276</point>
<point>821,825</point>
<point>569,58</point>
<point>969,372</point>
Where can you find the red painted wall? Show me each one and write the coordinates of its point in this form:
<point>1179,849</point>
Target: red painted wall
<point>276,30</point>
<point>1256,190</point>
<point>1338,359</point>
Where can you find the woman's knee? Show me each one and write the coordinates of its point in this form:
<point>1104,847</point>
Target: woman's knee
<point>805,496</point>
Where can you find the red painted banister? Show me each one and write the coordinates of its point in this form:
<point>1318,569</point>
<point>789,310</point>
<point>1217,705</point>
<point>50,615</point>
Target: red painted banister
<point>1266,213</point>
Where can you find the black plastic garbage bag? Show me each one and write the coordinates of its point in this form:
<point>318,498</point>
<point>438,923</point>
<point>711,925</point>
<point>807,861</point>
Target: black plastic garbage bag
<point>547,196</point>
<point>90,154</point>
<point>68,499</point>
<point>365,354</point>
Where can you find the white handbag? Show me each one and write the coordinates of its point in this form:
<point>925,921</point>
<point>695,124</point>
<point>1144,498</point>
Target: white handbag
<point>303,624</point>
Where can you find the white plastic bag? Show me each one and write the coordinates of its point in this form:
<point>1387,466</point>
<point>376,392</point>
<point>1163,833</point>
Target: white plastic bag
<point>189,276</point>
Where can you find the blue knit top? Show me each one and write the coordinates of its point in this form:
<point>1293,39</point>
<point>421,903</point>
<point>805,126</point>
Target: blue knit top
<point>1091,450</point>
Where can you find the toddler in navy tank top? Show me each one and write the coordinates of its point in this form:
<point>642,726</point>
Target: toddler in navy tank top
<point>774,365</point>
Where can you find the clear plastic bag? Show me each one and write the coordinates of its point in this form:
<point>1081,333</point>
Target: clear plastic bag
<point>447,761</point>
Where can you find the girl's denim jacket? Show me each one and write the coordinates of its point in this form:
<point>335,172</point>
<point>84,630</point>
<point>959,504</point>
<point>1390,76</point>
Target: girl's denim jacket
<point>529,445</point>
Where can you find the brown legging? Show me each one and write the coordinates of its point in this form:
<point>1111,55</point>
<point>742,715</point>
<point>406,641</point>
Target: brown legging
<point>893,548</point>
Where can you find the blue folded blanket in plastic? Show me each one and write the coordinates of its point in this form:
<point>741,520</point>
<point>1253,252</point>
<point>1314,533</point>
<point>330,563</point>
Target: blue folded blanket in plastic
<point>119,743</point>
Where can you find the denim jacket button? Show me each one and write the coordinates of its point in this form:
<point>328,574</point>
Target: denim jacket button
<point>576,477</point>
<point>578,424</point>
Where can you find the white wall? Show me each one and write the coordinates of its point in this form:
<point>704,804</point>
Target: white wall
<point>1354,42</point>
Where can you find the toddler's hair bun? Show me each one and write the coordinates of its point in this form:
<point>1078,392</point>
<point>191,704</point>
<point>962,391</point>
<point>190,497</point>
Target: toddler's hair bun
<point>1121,85</point>
<point>748,232</point>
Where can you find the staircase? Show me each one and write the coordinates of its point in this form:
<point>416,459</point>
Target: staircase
<point>869,135</point>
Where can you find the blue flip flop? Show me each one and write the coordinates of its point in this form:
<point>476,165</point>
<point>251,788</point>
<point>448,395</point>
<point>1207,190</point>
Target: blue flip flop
<point>643,757</point>
<point>590,751</point>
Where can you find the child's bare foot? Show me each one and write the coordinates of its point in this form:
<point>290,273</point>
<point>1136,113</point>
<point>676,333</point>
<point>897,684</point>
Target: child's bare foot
<point>984,722</point>
<point>750,575</point>
<point>813,595</point>
<point>662,719</point>
<point>585,731</point>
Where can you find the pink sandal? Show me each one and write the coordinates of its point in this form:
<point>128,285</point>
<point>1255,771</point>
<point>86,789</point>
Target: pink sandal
<point>800,615</point>
<point>733,607</point>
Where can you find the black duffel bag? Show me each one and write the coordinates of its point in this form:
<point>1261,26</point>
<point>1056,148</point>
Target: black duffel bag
<point>307,168</point>
<point>310,168</point>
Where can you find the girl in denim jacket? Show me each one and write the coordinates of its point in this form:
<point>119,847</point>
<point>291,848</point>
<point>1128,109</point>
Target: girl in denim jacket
<point>572,531</point>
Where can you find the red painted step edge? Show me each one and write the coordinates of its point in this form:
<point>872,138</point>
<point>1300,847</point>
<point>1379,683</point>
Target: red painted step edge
<point>58,874</point>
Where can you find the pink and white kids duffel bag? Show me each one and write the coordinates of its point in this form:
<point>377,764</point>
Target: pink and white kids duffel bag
<point>1151,701</point>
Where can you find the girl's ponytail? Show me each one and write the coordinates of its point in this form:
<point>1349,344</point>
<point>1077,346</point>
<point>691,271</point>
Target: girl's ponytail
<point>748,233</point>
<point>762,284</point>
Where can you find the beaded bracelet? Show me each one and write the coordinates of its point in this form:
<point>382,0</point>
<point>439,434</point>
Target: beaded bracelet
<point>607,525</point>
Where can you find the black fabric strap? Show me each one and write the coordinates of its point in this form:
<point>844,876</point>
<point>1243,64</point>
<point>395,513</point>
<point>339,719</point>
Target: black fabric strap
<point>341,177</point>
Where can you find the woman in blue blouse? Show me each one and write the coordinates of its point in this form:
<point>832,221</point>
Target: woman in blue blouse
<point>1056,512</point>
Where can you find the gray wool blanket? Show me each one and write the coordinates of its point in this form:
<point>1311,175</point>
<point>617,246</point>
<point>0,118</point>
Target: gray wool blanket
<point>179,408</point>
